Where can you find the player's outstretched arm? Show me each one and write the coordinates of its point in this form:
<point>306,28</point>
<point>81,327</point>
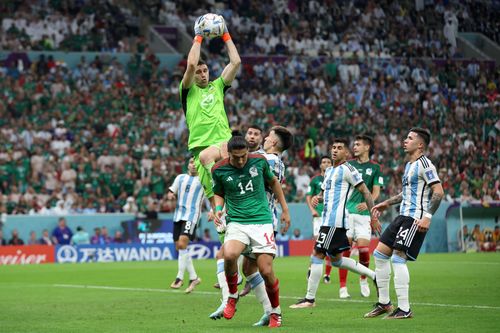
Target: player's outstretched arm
<point>275,186</point>
<point>229,73</point>
<point>192,60</point>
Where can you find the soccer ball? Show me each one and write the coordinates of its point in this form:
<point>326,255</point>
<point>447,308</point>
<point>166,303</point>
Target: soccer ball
<point>211,25</point>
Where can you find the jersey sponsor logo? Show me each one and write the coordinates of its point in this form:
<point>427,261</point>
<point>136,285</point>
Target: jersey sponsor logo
<point>369,171</point>
<point>207,101</point>
<point>430,174</point>
<point>253,172</point>
<point>229,179</point>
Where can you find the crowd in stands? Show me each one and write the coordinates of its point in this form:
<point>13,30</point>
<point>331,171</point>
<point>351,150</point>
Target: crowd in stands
<point>422,28</point>
<point>487,240</point>
<point>86,25</point>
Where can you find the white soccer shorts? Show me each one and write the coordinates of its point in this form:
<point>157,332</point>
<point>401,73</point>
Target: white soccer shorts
<point>359,227</point>
<point>259,237</point>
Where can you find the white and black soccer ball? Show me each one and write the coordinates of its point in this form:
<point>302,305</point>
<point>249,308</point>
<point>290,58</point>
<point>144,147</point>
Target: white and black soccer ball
<point>210,25</point>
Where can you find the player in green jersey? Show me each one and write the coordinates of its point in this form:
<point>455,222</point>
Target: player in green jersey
<point>203,104</point>
<point>240,184</point>
<point>315,189</point>
<point>359,216</point>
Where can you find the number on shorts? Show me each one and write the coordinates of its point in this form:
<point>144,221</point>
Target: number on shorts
<point>187,226</point>
<point>402,233</point>
<point>321,238</point>
<point>269,240</point>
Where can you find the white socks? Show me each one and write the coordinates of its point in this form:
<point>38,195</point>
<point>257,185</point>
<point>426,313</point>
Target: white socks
<point>185,263</point>
<point>354,266</point>
<point>221,277</point>
<point>383,275</point>
<point>258,286</point>
<point>314,277</point>
<point>401,282</point>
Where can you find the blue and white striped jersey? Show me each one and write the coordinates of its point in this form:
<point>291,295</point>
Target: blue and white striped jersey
<point>338,185</point>
<point>189,198</point>
<point>417,181</point>
<point>278,168</point>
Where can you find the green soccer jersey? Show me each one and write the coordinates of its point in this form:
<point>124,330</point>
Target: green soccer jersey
<point>315,189</point>
<point>370,171</point>
<point>205,114</point>
<point>244,190</point>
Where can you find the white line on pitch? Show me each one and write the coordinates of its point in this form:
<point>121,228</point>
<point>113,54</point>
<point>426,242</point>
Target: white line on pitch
<point>81,286</point>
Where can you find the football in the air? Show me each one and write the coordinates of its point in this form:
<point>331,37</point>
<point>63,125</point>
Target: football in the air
<point>211,25</point>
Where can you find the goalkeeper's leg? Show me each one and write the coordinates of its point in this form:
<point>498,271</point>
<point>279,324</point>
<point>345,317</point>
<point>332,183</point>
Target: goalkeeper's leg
<point>204,163</point>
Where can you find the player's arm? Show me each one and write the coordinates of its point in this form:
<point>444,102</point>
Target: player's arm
<point>231,69</point>
<point>317,199</point>
<point>375,194</point>
<point>310,205</point>
<point>375,224</point>
<point>172,190</point>
<point>437,196</point>
<point>192,60</point>
<point>379,208</point>
<point>275,186</point>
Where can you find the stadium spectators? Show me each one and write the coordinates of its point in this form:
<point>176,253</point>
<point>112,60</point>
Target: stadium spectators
<point>33,240</point>
<point>45,239</point>
<point>62,233</point>
<point>80,237</point>
<point>15,240</point>
<point>2,240</point>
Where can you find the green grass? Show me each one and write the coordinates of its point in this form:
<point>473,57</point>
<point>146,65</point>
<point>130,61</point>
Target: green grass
<point>449,293</point>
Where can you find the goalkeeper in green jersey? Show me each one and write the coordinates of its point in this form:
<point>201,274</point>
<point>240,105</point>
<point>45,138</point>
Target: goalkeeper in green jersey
<point>203,105</point>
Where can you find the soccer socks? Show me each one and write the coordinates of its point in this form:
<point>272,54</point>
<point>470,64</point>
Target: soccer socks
<point>273,292</point>
<point>182,261</point>
<point>257,283</point>
<point>232,283</point>
<point>383,275</point>
<point>221,278</point>
<point>190,267</point>
<point>343,272</point>
<point>401,281</point>
<point>328,266</point>
<point>205,176</point>
<point>315,277</point>
<point>354,266</point>
<point>364,257</point>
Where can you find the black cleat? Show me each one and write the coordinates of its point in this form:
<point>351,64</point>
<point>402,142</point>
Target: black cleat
<point>400,314</point>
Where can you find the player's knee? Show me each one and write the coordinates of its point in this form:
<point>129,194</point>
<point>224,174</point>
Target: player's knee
<point>206,157</point>
<point>336,261</point>
<point>398,257</point>
<point>315,259</point>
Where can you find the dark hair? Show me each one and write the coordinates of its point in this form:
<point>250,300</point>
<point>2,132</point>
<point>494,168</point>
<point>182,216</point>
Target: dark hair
<point>237,142</point>
<point>327,157</point>
<point>341,140</point>
<point>257,127</point>
<point>423,133</point>
<point>201,62</point>
<point>368,140</point>
<point>236,133</point>
<point>285,137</point>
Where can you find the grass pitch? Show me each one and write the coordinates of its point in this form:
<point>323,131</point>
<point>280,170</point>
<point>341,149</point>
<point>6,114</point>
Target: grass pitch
<point>448,293</point>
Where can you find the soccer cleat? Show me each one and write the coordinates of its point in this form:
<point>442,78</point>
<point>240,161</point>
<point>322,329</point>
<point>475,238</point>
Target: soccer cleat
<point>400,314</point>
<point>216,285</point>
<point>230,308</point>
<point>365,288</point>
<point>326,279</point>
<point>217,314</point>
<point>192,284</point>
<point>246,290</point>
<point>274,320</point>
<point>343,293</point>
<point>263,321</point>
<point>176,284</point>
<point>379,309</point>
<point>303,303</point>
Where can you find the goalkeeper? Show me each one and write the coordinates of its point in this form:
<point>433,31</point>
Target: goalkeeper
<point>203,105</point>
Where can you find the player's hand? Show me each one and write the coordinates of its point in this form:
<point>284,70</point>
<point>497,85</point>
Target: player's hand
<point>210,215</point>
<point>361,207</point>
<point>376,226</point>
<point>197,29</point>
<point>218,218</point>
<point>170,196</point>
<point>314,213</point>
<point>225,25</point>
<point>315,200</point>
<point>423,224</point>
<point>285,220</point>
<point>378,209</point>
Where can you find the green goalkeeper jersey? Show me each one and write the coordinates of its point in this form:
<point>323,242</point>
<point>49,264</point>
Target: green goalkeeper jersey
<point>315,189</point>
<point>370,171</point>
<point>205,114</point>
<point>244,190</point>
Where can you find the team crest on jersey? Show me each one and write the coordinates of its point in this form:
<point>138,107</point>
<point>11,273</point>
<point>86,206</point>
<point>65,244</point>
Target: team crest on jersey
<point>429,174</point>
<point>369,171</point>
<point>253,172</point>
<point>207,101</point>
